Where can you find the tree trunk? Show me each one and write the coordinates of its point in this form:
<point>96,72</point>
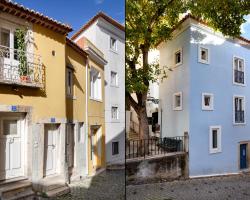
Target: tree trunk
<point>143,132</point>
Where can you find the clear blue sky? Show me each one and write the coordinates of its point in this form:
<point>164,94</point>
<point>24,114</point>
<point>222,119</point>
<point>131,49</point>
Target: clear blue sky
<point>77,12</point>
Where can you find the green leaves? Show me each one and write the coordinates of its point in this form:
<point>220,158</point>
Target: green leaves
<point>149,22</point>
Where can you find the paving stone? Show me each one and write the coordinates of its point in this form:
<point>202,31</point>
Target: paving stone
<point>215,188</point>
<point>108,185</point>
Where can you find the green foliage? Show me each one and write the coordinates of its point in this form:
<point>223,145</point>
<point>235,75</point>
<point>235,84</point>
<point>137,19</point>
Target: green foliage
<point>149,22</point>
<point>21,51</point>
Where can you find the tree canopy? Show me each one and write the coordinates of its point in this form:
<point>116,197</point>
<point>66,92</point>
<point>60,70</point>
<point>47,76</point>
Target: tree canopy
<point>149,22</point>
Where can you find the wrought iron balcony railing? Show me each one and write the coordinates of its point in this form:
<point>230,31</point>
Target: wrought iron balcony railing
<point>238,76</point>
<point>21,68</point>
<point>239,116</point>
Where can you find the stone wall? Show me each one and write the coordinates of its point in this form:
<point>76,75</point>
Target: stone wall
<point>155,169</point>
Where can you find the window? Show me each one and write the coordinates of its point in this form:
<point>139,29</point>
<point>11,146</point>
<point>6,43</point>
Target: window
<point>239,71</point>
<point>215,139</point>
<point>95,84</point>
<point>115,148</point>
<point>203,55</point>
<point>207,101</point>
<point>81,133</point>
<point>114,79</point>
<point>177,101</point>
<point>114,112</point>
<point>178,57</point>
<point>113,44</point>
<point>5,42</point>
<point>9,127</point>
<point>239,109</point>
<point>69,82</point>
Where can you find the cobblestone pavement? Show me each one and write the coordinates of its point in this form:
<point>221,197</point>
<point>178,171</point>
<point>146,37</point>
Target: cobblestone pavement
<point>217,188</point>
<point>108,185</point>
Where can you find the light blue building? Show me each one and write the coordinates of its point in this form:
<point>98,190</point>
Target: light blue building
<point>207,94</point>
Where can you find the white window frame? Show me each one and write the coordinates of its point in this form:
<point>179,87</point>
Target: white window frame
<point>181,100</point>
<point>211,106</point>
<point>181,53</point>
<point>116,79</point>
<point>110,47</point>
<point>244,70</point>
<point>200,60</point>
<point>244,109</point>
<point>95,90</point>
<point>81,132</point>
<point>115,119</point>
<point>69,87</point>
<point>219,148</point>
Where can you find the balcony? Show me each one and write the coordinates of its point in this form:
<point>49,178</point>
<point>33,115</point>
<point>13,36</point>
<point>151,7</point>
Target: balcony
<point>239,116</point>
<point>238,76</point>
<point>20,68</point>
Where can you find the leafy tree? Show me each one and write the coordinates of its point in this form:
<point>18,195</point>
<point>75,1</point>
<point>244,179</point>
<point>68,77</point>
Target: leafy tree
<point>149,22</point>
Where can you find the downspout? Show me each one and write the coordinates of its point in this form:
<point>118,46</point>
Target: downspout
<point>86,116</point>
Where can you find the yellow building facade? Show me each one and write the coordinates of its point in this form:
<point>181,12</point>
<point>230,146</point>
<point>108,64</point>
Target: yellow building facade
<point>51,103</point>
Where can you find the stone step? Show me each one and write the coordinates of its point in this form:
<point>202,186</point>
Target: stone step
<point>58,192</point>
<point>16,189</point>
<point>28,195</point>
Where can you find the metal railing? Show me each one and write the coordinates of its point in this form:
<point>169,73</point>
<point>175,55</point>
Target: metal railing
<point>238,76</point>
<point>239,116</point>
<point>31,74</point>
<point>154,146</point>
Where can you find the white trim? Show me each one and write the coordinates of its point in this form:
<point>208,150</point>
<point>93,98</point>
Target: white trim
<point>244,67</point>
<point>219,148</point>
<point>177,107</point>
<point>118,113</point>
<point>181,52</point>
<point>116,77</point>
<point>212,175</point>
<point>244,109</point>
<point>203,106</point>
<point>199,54</point>
<point>115,49</point>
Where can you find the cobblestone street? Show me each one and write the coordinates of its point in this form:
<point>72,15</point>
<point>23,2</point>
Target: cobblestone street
<point>107,185</point>
<point>216,188</point>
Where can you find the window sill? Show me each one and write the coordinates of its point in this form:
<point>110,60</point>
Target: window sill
<point>239,124</point>
<point>93,99</point>
<point>116,86</point>
<point>114,51</point>
<point>203,62</point>
<point>177,109</point>
<point>115,120</point>
<point>239,84</point>
<point>178,64</point>
<point>207,109</point>
<point>71,97</point>
<point>214,151</point>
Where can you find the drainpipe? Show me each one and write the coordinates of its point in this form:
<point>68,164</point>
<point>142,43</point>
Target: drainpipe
<point>86,115</point>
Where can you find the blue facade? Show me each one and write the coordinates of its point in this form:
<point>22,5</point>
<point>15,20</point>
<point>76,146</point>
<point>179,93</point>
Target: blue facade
<point>215,78</point>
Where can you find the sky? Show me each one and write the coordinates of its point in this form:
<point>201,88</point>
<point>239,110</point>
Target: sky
<point>76,12</point>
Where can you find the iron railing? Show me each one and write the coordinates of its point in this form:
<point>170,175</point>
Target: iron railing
<point>11,73</point>
<point>153,146</point>
<point>238,76</point>
<point>239,116</point>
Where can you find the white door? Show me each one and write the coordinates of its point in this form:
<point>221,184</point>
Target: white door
<point>71,145</point>
<point>51,146</point>
<point>11,147</point>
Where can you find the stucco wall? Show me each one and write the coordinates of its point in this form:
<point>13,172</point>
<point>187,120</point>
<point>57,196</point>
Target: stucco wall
<point>51,101</point>
<point>216,78</point>
<point>174,123</point>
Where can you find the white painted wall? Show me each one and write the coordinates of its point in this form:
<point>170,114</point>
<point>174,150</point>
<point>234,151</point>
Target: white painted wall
<point>99,34</point>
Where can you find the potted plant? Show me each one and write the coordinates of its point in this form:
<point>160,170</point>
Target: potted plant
<point>21,55</point>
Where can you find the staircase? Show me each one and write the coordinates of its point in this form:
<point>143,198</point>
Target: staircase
<point>16,189</point>
<point>51,187</point>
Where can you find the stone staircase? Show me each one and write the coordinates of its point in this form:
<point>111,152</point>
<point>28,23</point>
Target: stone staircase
<point>51,187</point>
<point>16,189</point>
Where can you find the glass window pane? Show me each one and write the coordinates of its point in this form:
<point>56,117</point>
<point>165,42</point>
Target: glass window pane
<point>215,139</point>
<point>5,37</point>
<point>10,127</point>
